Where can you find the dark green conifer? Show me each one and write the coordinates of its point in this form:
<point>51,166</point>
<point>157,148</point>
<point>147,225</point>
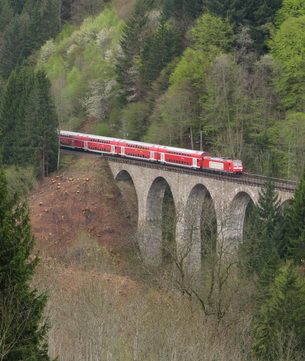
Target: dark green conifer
<point>12,115</point>
<point>23,330</point>
<point>16,44</point>
<point>265,236</point>
<point>281,317</point>
<point>158,50</point>
<point>251,13</point>
<point>295,224</point>
<point>42,123</point>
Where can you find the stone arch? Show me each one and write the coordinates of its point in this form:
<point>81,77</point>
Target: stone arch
<point>192,247</point>
<point>129,195</point>
<point>235,218</point>
<point>286,203</point>
<point>153,219</point>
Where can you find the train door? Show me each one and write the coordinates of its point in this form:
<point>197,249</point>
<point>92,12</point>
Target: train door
<point>112,149</point>
<point>195,163</point>
<point>85,145</point>
<point>152,155</point>
<point>123,151</point>
<point>162,157</point>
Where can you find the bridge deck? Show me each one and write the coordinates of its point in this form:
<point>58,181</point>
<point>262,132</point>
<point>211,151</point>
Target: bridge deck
<point>248,179</point>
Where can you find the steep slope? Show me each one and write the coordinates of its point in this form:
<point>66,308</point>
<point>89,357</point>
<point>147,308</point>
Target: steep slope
<point>79,204</point>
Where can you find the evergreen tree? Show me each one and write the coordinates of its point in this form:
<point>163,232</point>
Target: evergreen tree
<point>131,43</point>
<point>182,10</point>
<point>281,316</point>
<point>12,114</point>
<point>6,14</point>
<point>41,127</point>
<point>23,330</point>
<point>15,46</point>
<point>295,224</point>
<point>251,13</point>
<point>18,5</point>
<point>29,122</point>
<point>158,50</point>
<point>266,231</point>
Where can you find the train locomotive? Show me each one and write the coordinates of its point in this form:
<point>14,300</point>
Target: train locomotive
<point>186,158</point>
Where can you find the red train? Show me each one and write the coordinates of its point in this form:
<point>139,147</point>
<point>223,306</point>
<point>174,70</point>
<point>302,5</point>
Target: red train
<point>151,152</point>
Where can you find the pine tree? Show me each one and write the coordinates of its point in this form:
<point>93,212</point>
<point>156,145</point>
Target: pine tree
<point>281,316</point>
<point>18,5</point>
<point>266,232</point>
<point>131,43</point>
<point>182,10</point>
<point>22,328</point>
<point>6,14</point>
<point>251,13</point>
<point>16,44</point>
<point>295,224</point>
<point>158,50</point>
<point>12,115</point>
<point>43,121</point>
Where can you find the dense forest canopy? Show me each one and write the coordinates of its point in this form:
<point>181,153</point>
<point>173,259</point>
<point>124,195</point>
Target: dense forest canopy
<point>228,71</point>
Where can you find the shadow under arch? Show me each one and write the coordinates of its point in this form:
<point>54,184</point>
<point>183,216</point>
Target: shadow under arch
<point>239,212</point>
<point>161,221</point>
<point>129,195</point>
<point>200,225</point>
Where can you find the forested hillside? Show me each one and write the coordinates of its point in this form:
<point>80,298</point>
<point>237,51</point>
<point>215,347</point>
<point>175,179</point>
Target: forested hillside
<point>227,72</point>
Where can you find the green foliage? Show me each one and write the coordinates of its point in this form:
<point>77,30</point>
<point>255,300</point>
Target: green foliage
<point>211,32</point>
<point>281,318</point>
<point>22,330</point>
<point>191,69</point>
<point>176,114</point>
<point>131,43</point>
<point>257,15</point>
<point>6,14</point>
<point>295,225</point>
<point>209,37</point>
<point>42,119</point>
<point>20,180</point>
<point>182,10</point>
<point>265,237</point>
<point>158,50</point>
<point>81,66</point>
<point>33,23</point>
<point>12,115</point>
<point>103,129</point>
<point>287,137</point>
<point>290,8</point>
<point>134,120</point>
<point>288,47</point>
<point>29,122</point>
<point>15,44</point>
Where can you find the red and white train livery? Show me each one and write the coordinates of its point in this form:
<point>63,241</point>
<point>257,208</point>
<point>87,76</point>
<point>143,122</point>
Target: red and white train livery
<point>150,152</point>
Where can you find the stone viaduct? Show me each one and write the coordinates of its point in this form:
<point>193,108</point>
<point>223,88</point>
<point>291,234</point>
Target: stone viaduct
<point>190,193</point>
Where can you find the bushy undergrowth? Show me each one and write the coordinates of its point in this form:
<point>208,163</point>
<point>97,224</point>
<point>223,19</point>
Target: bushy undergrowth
<point>20,179</point>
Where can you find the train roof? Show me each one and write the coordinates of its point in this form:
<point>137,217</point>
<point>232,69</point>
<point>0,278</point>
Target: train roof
<point>221,159</point>
<point>172,149</point>
<point>66,132</point>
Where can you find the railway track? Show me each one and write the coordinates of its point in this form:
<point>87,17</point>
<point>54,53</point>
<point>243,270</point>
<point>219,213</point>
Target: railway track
<point>246,178</point>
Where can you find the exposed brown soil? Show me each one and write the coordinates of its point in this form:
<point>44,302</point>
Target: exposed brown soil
<point>83,198</point>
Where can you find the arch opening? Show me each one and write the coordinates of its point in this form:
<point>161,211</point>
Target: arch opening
<point>238,220</point>
<point>168,225</point>
<point>129,198</point>
<point>200,226</point>
<point>161,222</point>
